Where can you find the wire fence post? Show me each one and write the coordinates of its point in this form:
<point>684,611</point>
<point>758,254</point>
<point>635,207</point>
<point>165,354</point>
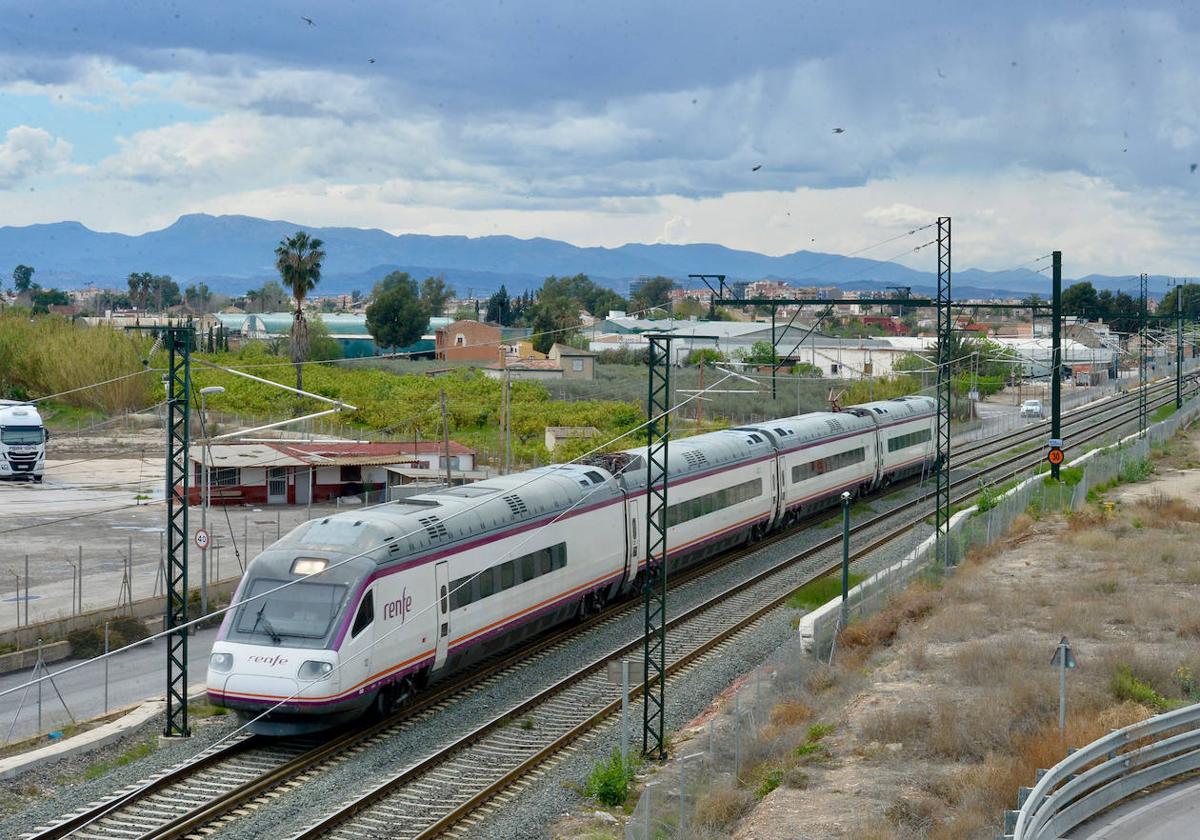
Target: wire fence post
<point>106,667</point>
<point>624,711</point>
<point>27,590</point>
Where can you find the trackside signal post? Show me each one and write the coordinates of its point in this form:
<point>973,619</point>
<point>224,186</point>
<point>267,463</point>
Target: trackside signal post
<point>654,646</point>
<point>1056,358</point>
<point>178,342</point>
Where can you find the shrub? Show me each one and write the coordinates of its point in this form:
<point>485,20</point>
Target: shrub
<point>1126,687</point>
<point>721,807</point>
<point>89,642</point>
<point>770,781</point>
<point>609,780</point>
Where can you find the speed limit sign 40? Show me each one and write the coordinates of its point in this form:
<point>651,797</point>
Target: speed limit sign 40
<point>201,539</point>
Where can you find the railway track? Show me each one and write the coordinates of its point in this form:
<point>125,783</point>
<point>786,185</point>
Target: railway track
<point>442,791</point>
<point>201,793</point>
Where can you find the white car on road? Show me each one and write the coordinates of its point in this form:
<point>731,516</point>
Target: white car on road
<point>1031,408</point>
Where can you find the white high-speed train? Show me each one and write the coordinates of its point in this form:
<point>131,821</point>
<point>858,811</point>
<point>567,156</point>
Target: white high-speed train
<point>453,575</point>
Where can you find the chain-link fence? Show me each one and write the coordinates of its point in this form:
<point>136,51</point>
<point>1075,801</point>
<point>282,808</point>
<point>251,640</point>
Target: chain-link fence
<point>744,751</point>
<point>991,517</point>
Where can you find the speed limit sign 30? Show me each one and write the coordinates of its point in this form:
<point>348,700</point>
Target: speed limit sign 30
<point>201,539</point>
<point>1055,456</point>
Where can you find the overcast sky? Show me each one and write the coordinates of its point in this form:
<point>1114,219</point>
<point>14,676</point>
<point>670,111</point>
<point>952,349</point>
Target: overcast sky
<point>1035,125</point>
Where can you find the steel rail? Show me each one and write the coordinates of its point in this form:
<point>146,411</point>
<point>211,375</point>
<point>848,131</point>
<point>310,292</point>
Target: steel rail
<point>428,764</point>
<point>222,804</point>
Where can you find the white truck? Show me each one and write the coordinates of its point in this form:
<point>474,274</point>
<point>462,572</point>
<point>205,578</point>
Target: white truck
<point>22,441</point>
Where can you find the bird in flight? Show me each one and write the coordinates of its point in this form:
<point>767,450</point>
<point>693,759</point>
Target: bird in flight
<point>839,131</point>
<point>756,167</point>
<point>370,61</point>
<point>307,20</point>
<point>1194,165</point>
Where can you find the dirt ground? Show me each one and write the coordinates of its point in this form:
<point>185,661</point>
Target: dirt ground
<point>961,707</point>
<point>935,711</point>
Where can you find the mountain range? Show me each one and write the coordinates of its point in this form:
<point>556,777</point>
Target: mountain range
<point>233,253</point>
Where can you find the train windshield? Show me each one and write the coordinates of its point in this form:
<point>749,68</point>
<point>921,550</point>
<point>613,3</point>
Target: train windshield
<point>300,611</point>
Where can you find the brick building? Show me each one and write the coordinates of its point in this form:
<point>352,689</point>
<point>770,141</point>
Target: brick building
<point>467,341</point>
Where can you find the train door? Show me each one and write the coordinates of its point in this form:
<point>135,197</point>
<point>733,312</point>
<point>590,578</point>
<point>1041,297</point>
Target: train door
<point>358,645</point>
<point>635,545</point>
<point>441,574</point>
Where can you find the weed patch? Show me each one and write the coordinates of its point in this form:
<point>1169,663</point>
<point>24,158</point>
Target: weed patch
<point>609,780</point>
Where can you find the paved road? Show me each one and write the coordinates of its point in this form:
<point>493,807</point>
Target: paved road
<point>133,676</point>
<point>1171,814</point>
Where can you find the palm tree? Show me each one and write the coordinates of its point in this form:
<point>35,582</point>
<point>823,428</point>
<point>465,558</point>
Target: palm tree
<point>298,259</point>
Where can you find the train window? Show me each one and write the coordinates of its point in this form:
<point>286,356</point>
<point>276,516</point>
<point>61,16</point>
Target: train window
<point>911,439</point>
<point>506,575</point>
<point>558,556</point>
<point>711,502</point>
<point>820,466</point>
<point>460,592</point>
<point>487,583</point>
<point>366,613</point>
<point>528,568</point>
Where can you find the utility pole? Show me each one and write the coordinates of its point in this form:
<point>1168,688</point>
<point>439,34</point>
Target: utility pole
<point>1143,282</point>
<point>178,342</point>
<point>700,400</point>
<point>945,325</point>
<point>654,645</point>
<point>1056,358</point>
<point>1178,347</point>
<point>445,435</point>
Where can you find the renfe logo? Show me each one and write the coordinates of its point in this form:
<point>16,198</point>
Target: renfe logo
<point>400,607</point>
<point>269,660</point>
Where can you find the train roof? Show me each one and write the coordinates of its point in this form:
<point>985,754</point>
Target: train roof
<point>695,454</point>
<point>395,530</point>
<point>792,432</point>
<point>900,407</point>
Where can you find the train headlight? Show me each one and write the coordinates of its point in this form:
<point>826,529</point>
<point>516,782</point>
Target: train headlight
<point>221,662</point>
<point>313,670</point>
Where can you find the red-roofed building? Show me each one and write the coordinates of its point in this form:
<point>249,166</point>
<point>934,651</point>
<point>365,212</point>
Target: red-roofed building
<point>299,473</point>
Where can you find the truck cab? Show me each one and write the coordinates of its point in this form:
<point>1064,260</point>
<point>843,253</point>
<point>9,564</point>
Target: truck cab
<point>22,442</point>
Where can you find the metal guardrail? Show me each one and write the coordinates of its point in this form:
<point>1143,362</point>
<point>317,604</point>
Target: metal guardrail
<point>1106,771</point>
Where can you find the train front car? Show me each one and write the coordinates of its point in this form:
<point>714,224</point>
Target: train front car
<point>446,578</point>
<point>275,660</point>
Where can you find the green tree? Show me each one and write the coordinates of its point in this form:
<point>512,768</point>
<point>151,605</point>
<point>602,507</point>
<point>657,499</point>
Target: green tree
<point>688,308</point>
<point>499,308</point>
<point>708,355</point>
<point>139,283</point>
<point>397,317</point>
<point>43,299</point>
<point>197,297</point>
<point>556,312</point>
<point>1191,301</point>
<point>298,259</point>
<point>435,293</point>
<point>23,278</point>
<point>761,353</point>
<point>464,313</point>
<point>321,345</point>
<point>1080,299</point>
<point>654,292</point>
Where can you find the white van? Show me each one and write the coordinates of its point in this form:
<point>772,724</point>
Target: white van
<point>22,441</point>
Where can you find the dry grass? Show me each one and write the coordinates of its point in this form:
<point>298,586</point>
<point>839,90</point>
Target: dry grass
<point>720,807</point>
<point>879,630</point>
<point>791,713</point>
<point>1160,511</point>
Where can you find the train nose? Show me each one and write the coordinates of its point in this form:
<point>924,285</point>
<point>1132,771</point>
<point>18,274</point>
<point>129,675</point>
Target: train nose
<point>262,689</point>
